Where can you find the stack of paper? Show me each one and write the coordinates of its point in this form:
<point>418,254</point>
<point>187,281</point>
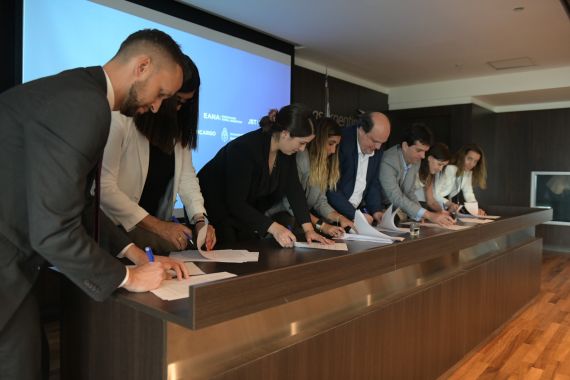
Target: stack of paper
<point>387,223</point>
<point>175,289</point>
<point>331,247</point>
<point>365,232</point>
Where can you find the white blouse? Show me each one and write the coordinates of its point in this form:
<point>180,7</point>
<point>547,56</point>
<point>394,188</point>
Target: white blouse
<point>450,185</point>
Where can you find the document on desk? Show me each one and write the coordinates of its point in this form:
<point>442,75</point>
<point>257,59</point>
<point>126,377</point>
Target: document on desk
<point>363,228</point>
<point>474,220</point>
<point>387,223</point>
<point>220,255</point>
<point>330,247</point>
<point>363,231</point>
<point>452,227</point>
<point>373,239</point>
<point>473,212</point>
<point>174,289</point>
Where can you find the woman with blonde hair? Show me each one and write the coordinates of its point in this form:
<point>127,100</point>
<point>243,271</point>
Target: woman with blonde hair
<point>468,169</point>
<point>318,169</point>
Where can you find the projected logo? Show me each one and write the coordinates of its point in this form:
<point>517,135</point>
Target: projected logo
<point>225,135</point>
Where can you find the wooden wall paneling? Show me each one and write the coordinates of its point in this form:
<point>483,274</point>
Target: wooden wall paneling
<point>117,342</point>
<point>345,97</point>
<point>450,124</point>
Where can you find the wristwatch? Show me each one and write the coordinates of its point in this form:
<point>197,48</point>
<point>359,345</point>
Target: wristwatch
<point>319,225</point>
<point>197,219</point>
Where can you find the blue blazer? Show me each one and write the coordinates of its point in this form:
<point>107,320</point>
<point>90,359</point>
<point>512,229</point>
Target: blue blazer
<point>348,157</point>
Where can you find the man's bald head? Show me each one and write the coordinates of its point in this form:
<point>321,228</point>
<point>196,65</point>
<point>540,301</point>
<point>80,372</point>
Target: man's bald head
<point>374,130</point>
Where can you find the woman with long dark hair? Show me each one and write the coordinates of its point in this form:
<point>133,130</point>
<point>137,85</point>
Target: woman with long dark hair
<point>147,162</point>
<point>253,172</point>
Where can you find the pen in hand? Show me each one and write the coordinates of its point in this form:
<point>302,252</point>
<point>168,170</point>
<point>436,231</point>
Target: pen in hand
<point>149,254</point>
<point>175,220</point>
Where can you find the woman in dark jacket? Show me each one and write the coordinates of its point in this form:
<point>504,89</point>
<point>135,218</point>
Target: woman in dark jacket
<point>253,172</point>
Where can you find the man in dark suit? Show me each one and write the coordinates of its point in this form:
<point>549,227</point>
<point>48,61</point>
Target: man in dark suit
<point>52,134</point>
<point>360,154</point>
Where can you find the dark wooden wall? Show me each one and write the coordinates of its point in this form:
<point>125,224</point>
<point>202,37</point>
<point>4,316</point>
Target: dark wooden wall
<point>308,87</point>
<point>450,124</point>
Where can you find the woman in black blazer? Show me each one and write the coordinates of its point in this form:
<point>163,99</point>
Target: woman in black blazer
<point>253,172</point>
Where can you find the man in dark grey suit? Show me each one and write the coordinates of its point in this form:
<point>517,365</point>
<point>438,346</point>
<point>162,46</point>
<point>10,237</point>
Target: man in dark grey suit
<point>399,171</point>
<point>52,134</point>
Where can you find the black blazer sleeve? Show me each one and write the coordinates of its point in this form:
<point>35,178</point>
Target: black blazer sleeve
<point>243,161</point>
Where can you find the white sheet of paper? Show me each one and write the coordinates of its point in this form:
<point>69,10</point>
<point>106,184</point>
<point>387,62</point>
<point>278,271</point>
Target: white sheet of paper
<point>469,216</point>
<point>201,238</point>
<point>330,247</point>
<point>387,221</point>
<point>453,227</point>
<point>363,228</point>
<point>472,208</point>
<point>475,220</point>
<point>220,255</point>
<point>174,289</point>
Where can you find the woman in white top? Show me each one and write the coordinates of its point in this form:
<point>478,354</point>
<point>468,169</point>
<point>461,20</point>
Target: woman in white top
<point>147,162</point>
<point>468,170</point>
<point>429,174</point>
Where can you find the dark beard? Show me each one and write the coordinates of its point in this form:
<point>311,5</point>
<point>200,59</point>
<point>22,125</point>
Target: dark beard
<point>131,103</point>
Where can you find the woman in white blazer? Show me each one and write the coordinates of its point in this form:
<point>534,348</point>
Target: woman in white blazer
<point>147,162</point>
<point>468,169</point>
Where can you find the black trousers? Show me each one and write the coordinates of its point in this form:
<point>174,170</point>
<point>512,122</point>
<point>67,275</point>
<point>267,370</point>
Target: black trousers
<point>20,343</point>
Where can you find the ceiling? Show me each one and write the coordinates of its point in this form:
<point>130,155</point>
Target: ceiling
<point>392,44</point>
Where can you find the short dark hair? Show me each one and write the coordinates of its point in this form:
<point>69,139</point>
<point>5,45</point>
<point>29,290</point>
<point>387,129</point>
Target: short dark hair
<point>294,118</point>
<point>365,122</point>
<point>157,39</point>
<point>418,132</point>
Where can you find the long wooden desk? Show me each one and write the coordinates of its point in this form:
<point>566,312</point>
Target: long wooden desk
<point>409,310</point>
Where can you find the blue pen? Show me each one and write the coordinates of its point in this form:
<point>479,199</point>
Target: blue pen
<point>175,220</point>
<point>149,254</point>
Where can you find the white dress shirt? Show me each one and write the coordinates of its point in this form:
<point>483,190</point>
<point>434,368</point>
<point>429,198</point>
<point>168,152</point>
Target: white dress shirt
<point>360,182</point>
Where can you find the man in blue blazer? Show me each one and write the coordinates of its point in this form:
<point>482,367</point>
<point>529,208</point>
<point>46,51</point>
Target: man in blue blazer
<point>52,134</point>
<point>360,155</point>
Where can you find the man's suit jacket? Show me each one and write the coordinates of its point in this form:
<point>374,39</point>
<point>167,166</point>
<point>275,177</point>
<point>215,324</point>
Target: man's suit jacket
<point>348,157</point>
<point>52,134</point>
<point>399,189</point>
